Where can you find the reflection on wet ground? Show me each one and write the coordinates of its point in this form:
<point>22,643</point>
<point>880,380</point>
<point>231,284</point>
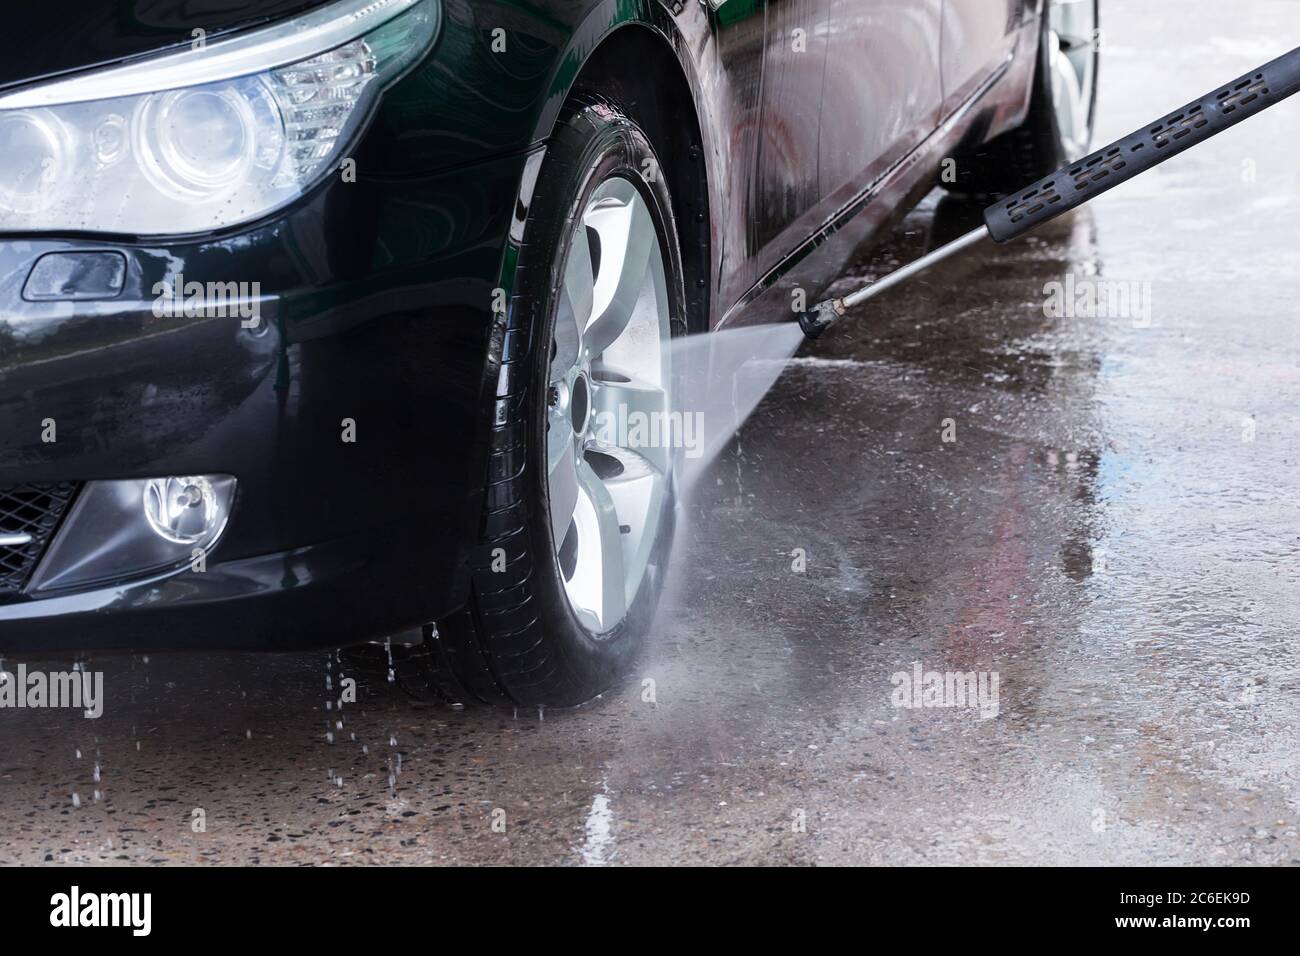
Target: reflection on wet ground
<point>1098,509</point>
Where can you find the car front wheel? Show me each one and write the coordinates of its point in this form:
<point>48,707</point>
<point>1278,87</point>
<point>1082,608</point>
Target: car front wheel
<point>580,507</point>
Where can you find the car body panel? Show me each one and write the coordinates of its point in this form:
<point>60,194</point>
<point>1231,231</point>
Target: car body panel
<point>378,298</point>
<point>883,89</point>
<point>978,35</point>
<point>734,49</point>
<point>386,324</point>
<point>794,70</point>
<point>91,33</point>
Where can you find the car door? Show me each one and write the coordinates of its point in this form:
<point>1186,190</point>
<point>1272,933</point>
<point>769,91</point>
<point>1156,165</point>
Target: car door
<point>882,92</point>
<point>738,29</point>
<point>978,37</point>
<point>794,60</point>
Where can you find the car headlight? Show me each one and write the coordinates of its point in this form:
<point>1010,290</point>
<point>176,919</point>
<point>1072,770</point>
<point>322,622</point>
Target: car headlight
<point>205,138</point>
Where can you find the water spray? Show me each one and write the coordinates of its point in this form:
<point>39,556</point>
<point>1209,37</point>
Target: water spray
<point>1076,183</point>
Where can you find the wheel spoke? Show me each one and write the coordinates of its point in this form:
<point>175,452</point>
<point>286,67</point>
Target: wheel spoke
<point>638,490</point>
<point>627,235</point>
<point>599,529</point>
<point>574,311</point>
<point>1067,98</point>
<point>562,481</point>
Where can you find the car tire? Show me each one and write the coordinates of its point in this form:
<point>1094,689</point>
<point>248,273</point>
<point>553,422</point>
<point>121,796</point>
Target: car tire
<point>522,638</point>
<point>1067,53</point>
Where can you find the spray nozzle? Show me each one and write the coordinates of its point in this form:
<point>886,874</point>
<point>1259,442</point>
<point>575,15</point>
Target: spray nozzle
<point>821,317</point>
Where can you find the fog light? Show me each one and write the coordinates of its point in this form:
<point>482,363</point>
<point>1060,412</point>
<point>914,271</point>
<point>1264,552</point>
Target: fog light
<point>118,530</point>
<point>182,510</point>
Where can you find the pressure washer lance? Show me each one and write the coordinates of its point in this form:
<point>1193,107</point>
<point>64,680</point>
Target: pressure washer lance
<point>1076,183</point>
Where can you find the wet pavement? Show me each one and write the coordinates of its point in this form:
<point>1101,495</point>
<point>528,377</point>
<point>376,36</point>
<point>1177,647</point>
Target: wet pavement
<point>1101,510</point>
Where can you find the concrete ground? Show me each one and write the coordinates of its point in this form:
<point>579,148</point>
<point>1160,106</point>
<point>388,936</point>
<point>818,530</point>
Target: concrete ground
<point>1112,530</point>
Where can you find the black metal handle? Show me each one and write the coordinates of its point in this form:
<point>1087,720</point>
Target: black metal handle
<point>1150,146</point>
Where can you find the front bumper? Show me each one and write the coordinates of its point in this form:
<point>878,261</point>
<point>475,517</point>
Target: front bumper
<point>375,311</point>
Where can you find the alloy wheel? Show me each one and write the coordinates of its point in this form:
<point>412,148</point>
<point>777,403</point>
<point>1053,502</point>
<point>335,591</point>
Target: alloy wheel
<point>609,479</point>
<point>1072,64</point>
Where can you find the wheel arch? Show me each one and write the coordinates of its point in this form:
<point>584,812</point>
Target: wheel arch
<point>636,54</point>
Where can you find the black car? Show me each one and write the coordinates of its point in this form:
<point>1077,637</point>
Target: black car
<point>313,315</point>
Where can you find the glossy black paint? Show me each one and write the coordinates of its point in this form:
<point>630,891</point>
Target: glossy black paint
<point>44,39</point>
<point>381,290</point>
